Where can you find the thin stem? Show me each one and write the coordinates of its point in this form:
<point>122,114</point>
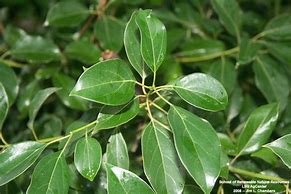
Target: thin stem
<point>159,108</point>
<point>67,143</point>
<point>164,99</point>
<point>34,134</point>
<point>162,124</point>
<point>86,26</point>
<point>207,57</point>
<point>154,79</point>
<point>149,110</point>
<point>253,174</point>
<point>12,63</point>
<point>3,140</point>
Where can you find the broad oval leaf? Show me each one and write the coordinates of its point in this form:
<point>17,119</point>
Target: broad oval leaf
<point>258,128</point>
<point>247,51</point>
<point>13,34</point>
<point>278,28</point>
<point>106,28</point>
<point>153,39</point>
<point>4,106</point>
<point>202,91</point>
<point>109,82</point>
<point>197,145</point>
<point>282,148</point>
<point>36,49</point>
<point>229,14</point>
<point>123,115</point>
<point>271,80</point>
<point>160,160</point>
<point>66,14</point>
<point>66,84</point>
<point>132,47</point>
<point>116,151</point>
<point>88,157</point>
<point>83,51</point>
<point>51,175</point>
<point>224,71</point>
<point>37,102</point>
<point>9,81</point>
<point>18,158</point>
<point>125,182</point>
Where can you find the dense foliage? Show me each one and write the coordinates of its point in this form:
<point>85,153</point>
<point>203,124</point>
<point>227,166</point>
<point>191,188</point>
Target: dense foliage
<point>136,97</point>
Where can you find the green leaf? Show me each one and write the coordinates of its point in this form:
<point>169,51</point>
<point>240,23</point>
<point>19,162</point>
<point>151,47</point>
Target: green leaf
<point>271,80</point>
<point>278,28</point>
<point>9,81</point>
<point>109,31</point>
<point>66,14</point>
<point>12,35</point>
<point>125,182</point>
<point>25,96</point>
<point>17,158</point>
<point>199,48</point>
<point>160,160</point>
<point>51,175</point>
<point>224,71</point>
<point>197,145</point>
<point>83,51</point>
<point>266,155</point>
<point>258,128</point>
<point>153,39</point>
<point>229,14</point>
<point>4,106</point>
<point>126,113</point>
<point>109,82</point>
<point>37,102</point>
<point>282,148</point>
<point>9,188</point>
<point>116,151</point>
<point>247,51</point>
<point>202,91</point>
<point>88,157</point>
<point>66,84</point>
<point>132,47</point>
<point>281,51</point>
<point>235,104</point>
<point>35,49</point>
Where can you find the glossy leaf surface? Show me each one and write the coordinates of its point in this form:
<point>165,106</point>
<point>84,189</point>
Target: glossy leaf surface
<point>37,102</point>
<point>123,115</point>
<point>160,160</point>
<point>116,151</point>
<point>66,84</point>
<point>50,175</point>
<point>258,128</point>
<point>202,91</point>
<point>109,82</point>
<point>88,157</point>
<point>282,148</point>
<point>17,158</point>
<point>132,47</point>
<point>66,14</point>
<point>9,82</point>
<point>4,106</point>
<point>153,39</point>
<point>125,182</point>
<point>197,145</point>
<point>36,49</point>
